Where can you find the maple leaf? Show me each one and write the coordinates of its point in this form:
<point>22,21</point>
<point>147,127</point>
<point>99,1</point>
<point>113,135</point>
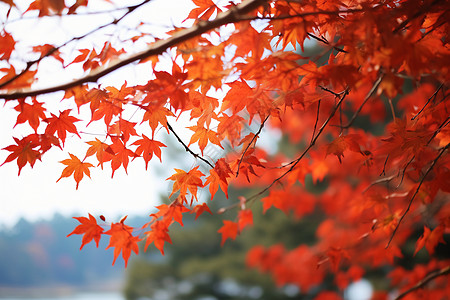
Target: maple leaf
<point>430,239</point>
<point>203,135</point>
<point>230,127</point>
<point>61,125</point>
<point>123,129</point>
<point>170,213</point>
<point>237,96</point>
<point>25,80</point>
<point>23,152</point>
<point>342,143</point>
<point>199,209</point>
<point>219,176</point>
<point>158,235</point>
<point>75,167</point>
<point>89,228</point>
<point>245,218</point>
<point>30,113</point>
<point>121,155</point>
<point>7,45</point>
<point>123,241</point>
<point>156,114</point>
<point>203,11</point>
<point>102,151</point>
<point>47,50</point>
<point>229,230</point>
<point>147,147</point>
<point>184,182</point>
<point>107,109</point>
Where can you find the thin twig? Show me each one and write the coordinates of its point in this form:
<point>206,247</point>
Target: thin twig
<point>187,148</point>
<point>317,121</point>
<point>428,101</point>
<point>295,162</point>
<point>381,180</point>
<point>248,145</point>
<point>54,49</point>
<point>369,94</point>
<point>416,192</point>
<point>326,42</point>
<point>424,281</point>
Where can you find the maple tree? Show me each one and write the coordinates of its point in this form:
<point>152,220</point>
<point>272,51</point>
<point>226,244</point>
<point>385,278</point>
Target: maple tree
<point>234,66</point>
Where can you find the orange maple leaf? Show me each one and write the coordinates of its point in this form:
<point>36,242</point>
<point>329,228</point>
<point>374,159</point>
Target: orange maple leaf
<point>75,167</point>
<point>230,230</point>
<point>156,114</point>
<point>147,147</point>
<point>237,96</point>
<point>203,136</point>
<point>102,151</point>
<point>199,209</point>
<point>158,235</point>
<point>122,240</point>
<point>219,176</point>
<point>170,213</point>
<point>186,181</point>
<point>203,11</point>
<point>122,129</point>
<point>61,125</point>
<point>89,228</point>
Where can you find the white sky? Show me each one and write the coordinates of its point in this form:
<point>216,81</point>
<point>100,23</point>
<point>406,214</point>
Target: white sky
<point>35,194</point>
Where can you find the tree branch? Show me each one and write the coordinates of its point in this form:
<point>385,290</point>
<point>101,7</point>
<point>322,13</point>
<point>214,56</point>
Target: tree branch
<point>313,141</point>
<point>416,192</point>
<point>248,146</point>
<point>428,278</point>
<point>53,50</point>
<point>231,16</point>
<point>187,148</point>
<point>369,94</point>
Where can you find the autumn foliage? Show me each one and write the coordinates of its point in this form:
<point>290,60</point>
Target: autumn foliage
<point>235,66</point>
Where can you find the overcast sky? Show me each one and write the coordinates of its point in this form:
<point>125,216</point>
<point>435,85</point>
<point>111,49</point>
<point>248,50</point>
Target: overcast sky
<point>35,194</point>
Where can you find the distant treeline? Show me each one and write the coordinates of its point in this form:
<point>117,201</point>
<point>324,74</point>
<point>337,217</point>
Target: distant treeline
<point>39,254</point>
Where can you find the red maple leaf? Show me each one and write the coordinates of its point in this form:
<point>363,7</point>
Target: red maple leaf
<point>430,239</point>
<point>121,155</point>
<point>24,153</point>
<point>90,230</point>
<point>31,113</point>
<point>147,147</point>
<point>245,218</point>
<point>229,229</point>
<point>61,125</point>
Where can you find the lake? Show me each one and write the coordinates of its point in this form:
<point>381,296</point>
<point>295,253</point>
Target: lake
<point>81,296</point>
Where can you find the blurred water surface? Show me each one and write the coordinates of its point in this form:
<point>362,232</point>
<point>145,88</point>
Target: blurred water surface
<point>81,296</point>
